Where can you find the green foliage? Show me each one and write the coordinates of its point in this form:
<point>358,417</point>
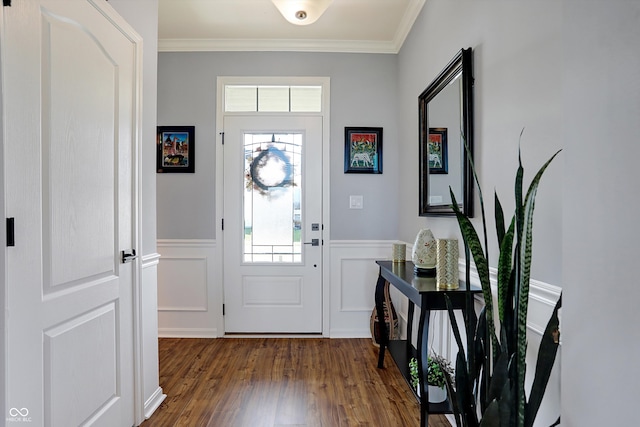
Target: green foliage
<point>489,388</point>
<point>438,369</point>
<point>413,371</point>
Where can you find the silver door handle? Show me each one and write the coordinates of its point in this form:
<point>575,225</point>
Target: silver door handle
<point>126,257</point>
<point>313,242</point>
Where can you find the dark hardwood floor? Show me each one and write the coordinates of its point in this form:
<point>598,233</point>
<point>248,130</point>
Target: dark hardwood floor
<point>269,382</point>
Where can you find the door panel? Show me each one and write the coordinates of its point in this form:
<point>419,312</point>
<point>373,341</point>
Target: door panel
<point>70,107</point>
<point>272,196</point>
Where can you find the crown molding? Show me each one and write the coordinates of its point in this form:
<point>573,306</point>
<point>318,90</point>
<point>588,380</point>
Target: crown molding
<point>277,45</point>
<point>409,18</point>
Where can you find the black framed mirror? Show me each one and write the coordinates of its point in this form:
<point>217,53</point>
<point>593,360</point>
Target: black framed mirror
<point>445,111</point>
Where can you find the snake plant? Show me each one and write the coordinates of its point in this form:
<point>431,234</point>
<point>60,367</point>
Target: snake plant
<point>489,388</point>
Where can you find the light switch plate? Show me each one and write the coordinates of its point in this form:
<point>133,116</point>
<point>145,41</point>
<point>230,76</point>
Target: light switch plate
<point>355,202</point>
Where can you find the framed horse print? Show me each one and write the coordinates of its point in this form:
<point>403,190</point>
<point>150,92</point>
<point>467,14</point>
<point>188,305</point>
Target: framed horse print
<point>362,150</point>
<point>437,151</point>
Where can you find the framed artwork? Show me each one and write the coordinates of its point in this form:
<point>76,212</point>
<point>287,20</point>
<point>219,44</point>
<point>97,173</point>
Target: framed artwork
<point>176,149</point>
<point>437,151</point>
<point>362,150</point>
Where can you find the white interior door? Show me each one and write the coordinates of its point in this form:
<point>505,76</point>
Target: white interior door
<point>273,224</point>
<point>70,111</point>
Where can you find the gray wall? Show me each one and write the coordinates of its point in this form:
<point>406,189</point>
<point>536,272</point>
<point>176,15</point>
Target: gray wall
<point>568,73</point>
<point>517,85</point>
<point>601,93</point>
<point>363,93</point>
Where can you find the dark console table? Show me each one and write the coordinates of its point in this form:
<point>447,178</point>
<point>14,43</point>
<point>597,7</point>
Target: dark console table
<point>422,292</point>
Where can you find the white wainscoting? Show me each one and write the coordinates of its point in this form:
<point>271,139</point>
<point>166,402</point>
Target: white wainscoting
<point>189,289</point>
<point>352,285</point>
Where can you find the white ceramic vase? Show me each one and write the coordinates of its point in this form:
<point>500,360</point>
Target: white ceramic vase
<point>423,254</point>
<point>437,394</point>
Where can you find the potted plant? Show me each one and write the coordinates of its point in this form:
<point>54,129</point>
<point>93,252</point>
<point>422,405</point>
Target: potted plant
<point>438,370</point>
<point>489,388</point>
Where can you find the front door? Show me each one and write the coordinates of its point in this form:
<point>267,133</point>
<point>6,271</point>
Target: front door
<point>70,111</point>
<point>273,224</point>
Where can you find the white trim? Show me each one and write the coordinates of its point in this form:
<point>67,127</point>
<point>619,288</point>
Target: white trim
<point>386,244</point>
<point>153,402</point>
<point>409,18</point>
<point>187,333</point>
<point>136,175</point>
<point>540,293</point>
<point>150,260</point>
<point>4,282</point>
<point>240,335</point>
<point>350,333</point>
<point>276,45</point>
<point>186,243</point>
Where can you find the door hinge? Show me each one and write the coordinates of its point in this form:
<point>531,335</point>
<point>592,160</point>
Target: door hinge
<point>11,237</point>
<point>6,2</point>
<point>222,135</point>
<point>223,312</point>
<point>222,224</point>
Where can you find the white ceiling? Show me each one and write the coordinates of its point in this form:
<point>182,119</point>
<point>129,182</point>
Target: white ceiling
<point>371,26</point>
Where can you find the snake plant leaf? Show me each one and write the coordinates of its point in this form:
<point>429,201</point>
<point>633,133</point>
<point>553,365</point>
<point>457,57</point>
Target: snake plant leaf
<point>538,176</point>
<point>480,196</point>
<point>471,239</point>
<point>499,377</point>
<point>491,417</point>
<point>504,270</point>
<point>500,229</point>
<point>480,367</point>
<point>546,358</point>
<point>454,321</point>
<point>464,387</point>
<point>523,301</point>
<point>465,399</point>
<point>503,340</point>
<point>507,414</point>
<point>453,400</point>
<point>523,285</point>
<point>509,325</point>
<point>471,325</point>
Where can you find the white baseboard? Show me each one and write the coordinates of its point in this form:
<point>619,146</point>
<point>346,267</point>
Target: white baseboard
<point>153,402</point>
<point>187,333</point>
<point>350,333</point>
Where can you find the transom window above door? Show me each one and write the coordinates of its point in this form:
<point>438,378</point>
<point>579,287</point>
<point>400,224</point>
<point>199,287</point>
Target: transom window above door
<point>272,98</point>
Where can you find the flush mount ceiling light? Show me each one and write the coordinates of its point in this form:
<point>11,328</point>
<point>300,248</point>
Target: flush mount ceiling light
<point>302,12</point>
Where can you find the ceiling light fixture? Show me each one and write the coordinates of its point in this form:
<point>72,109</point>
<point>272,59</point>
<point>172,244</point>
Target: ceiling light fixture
<point>302,12</point>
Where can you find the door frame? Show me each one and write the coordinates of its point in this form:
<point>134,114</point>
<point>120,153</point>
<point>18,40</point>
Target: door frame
<point>219,186</point>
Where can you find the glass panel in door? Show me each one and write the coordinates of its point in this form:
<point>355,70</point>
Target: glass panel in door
<point>272,209</point>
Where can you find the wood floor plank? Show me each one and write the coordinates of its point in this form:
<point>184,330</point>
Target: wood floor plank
<point>276,382</point>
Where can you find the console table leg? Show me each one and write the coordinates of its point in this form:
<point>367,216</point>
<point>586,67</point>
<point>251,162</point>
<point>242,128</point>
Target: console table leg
<point>384,334</point>
<point>423,366</point>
